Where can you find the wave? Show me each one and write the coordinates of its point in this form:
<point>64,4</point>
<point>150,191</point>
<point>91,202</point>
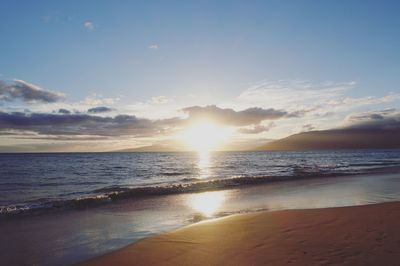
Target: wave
<point>174,173</point>
<point>187,185</point>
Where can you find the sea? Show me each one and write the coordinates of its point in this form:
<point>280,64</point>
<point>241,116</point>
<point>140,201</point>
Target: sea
<point>64,208</point>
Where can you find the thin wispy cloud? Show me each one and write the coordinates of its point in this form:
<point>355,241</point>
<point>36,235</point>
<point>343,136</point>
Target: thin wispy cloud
<point>289,93</point>
<point>309,97</point>
<point>89,25</point>
<point>153,46</point>
<point>97,99</point>
<point>256,129</point>
<point>159,100</point>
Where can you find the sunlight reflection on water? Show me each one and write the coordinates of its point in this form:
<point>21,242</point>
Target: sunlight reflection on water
<point>204,164</point>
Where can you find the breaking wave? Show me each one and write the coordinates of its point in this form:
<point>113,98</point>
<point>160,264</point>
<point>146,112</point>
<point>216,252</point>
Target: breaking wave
<point>187,185</point>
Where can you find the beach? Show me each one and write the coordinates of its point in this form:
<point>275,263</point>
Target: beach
<point>125,198</point>
<point>357,235</point>
<point>199,133</point>
<point>74,236</point>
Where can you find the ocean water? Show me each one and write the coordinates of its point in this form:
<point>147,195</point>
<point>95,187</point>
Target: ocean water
<point>41,182</point>
<point>61,209</point>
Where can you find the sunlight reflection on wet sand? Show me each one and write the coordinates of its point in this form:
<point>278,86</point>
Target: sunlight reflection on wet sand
<point>207,203</point>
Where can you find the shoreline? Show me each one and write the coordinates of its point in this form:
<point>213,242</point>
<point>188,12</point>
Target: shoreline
<point>198,186</point>
<point>91,232</point>
<point>355,235</point>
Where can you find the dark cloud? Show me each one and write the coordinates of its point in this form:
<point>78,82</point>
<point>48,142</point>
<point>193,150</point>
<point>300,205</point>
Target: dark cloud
<point>382,120</point>
<point>62,138</point>
<point>79,124</point>
<point>52,147</point>
<point>24,91</point>
<point>66,123</point>
<point>227,116</point>
<point>308,127</point>
<point>100,109</point>
<point>63,111</point>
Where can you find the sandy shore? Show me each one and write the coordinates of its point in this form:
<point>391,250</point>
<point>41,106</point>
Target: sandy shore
<point>361,235</point>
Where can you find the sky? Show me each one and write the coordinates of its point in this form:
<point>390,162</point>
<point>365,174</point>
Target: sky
<point>106,75</point>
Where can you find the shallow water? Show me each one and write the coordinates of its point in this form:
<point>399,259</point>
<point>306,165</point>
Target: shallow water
<point>66,237</point>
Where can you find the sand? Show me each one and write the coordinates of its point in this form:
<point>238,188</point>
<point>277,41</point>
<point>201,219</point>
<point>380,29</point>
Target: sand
<point>359,235</point>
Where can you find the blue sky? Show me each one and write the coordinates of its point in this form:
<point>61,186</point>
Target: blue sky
<point>207,51</point>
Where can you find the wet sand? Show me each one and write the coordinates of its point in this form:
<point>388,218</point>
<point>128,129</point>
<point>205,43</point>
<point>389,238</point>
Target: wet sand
<point>359,235</point>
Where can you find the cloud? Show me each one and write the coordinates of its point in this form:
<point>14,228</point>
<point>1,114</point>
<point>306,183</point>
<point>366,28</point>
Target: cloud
<point>368,100</point>
<point>302,112</point>
<point>227,116</point>
<point>289,93</point>
<point>159,100</point>
<point>84,124</point>
<point>63,138</point>
<point>27,92</point>
<point>76,124</point>
<point>88,25</point>
<point>314,98</point>
<point>63,111</point>
<point>307,127</point>
<point>64,122</point>
<point>256,129</point>
<point>97,99</point>
<point>153,46</point>
<point>376,120</point>
<point>100,109</point>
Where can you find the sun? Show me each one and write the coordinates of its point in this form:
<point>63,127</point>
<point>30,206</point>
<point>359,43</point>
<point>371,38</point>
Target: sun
<point>205,136</point>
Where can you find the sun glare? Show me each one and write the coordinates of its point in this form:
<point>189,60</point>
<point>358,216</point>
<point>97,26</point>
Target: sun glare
<point>205,136</point>
<point>207,203</point>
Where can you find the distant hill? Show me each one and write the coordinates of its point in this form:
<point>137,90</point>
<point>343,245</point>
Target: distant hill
<point>150,148</point>
<point>176,147</point>
<point>338,139</point>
